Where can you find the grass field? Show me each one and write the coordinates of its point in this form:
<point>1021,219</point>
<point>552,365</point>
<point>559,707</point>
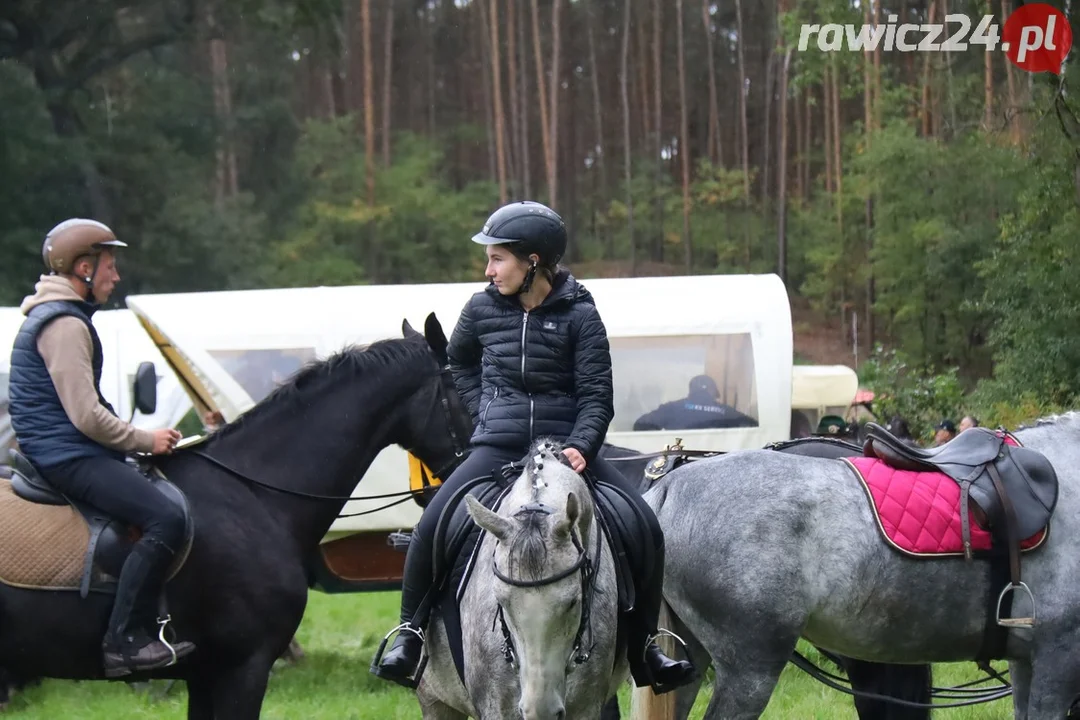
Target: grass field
<point>340,634</point>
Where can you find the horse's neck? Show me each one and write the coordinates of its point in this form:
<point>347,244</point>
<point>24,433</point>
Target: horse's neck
<point>323,450</point>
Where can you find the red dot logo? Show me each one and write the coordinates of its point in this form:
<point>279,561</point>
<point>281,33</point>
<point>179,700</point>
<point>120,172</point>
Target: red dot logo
<point>1037,38</point>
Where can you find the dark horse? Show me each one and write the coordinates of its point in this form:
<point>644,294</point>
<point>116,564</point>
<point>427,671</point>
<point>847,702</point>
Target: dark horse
<point>263,491</point>
<point>911,683</point>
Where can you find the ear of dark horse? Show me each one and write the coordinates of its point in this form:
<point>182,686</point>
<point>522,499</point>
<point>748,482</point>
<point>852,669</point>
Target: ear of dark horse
<point>436,338</point>
<point>407,329</point>
<point>573,508</point>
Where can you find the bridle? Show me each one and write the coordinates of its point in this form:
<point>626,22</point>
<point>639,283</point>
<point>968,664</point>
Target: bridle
<point>450,402</point>
<point>448,399</point>
<point>584,564</point>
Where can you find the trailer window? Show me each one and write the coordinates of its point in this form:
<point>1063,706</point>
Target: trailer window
<point>260,371</point>
<point>649,372</point>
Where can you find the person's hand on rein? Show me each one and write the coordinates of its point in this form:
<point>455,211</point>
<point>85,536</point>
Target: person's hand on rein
<point>576,460</point>
<point>165,440</point>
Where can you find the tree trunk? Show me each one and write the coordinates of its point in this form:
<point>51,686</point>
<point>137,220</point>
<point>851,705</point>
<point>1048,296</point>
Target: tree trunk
<point>598,120</point>
<point>388,81</point>
<point>684,141</point>
<point>526,149</point>
<point>556,88</point>
<point>1013,113</point>
<point>800,151</point>
<point>925,105</point>
<point>496,84</point>
<point>624,72</point>
<point>808,139</point>
<point>516,140</point>
<point>486,84</point>
<point>766,163</point>
<point>837,147</point>
<point>227,184</point>
<point>826,119</point>
<point>369,102</point>
<point>988,85</point>
<point>643,76</point>
<point>744,136</point>
<point>781,171</point>
<point>658,124</point>
<point>714,146</point>
<point>541,86</point>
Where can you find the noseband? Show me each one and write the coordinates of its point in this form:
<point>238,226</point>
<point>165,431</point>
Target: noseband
<point>584,564</point>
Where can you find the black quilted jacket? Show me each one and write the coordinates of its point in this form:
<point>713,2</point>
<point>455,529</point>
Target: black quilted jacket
<point>525,375</point>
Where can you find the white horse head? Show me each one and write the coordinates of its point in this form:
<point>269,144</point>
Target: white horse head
<point>547,552</point>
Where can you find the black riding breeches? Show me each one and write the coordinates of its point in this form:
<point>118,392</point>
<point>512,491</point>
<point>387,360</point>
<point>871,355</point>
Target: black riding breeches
<point>485,460</point>
<point>121,492</point>
<point>419,570</point>
<point>648,590</point>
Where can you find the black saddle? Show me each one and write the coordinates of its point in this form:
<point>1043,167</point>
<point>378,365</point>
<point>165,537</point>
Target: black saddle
<point>1028,480</point>
<point>110,539</point>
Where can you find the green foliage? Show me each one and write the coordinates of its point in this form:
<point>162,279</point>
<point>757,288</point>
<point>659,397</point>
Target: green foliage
<point>1032,290</point>
<point>921,394</point>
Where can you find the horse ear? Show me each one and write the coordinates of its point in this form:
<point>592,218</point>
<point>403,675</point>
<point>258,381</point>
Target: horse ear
<point>573,509</point>
<point>436,338</point>
<point>494,523</point>
<point>407,329</point>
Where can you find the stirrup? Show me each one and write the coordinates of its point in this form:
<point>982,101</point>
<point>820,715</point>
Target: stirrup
<point>407,681</point>
<point>162,622</point>
<point>652,638</point>
<point>1020,622</point>
<point>660,688</point>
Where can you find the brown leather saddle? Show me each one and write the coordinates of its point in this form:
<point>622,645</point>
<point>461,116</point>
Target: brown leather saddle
<point>1014,487</point>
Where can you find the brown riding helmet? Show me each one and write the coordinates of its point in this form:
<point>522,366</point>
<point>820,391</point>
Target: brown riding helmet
<point>73,239</point>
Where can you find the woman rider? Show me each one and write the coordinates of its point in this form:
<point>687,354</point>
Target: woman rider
<point>530,358</point>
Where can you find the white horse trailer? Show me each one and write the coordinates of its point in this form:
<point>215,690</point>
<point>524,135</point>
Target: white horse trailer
<point>231,348</point>
<point>820,390</point>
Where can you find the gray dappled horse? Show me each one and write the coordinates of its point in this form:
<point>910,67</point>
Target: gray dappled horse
<point>545,571</point>
<point>764,548</point>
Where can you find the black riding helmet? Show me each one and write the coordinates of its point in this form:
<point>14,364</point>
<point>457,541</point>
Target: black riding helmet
<point>533,227</point>
<point>529,227</point>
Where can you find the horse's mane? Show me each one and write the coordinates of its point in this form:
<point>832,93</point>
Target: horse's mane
<point>1072,417</point>
<point>353,360</point>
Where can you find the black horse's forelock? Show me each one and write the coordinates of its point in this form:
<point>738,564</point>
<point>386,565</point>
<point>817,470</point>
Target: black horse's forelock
<point>353,360</point>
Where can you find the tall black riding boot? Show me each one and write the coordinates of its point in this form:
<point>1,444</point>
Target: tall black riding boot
<point>402,660</point>
<point>648,664</point>
<point>128,647</point>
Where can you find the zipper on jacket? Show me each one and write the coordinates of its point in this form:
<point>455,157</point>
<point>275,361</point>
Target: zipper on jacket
<point>483,420</point>
<point>524,382</point>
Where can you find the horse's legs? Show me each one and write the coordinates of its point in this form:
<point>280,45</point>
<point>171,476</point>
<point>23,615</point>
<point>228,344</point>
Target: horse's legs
<point>200,697</point>
<point>903,682</point>
<point>1054,680</point>
<point>239,690</point>
<point>1020,676</point>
